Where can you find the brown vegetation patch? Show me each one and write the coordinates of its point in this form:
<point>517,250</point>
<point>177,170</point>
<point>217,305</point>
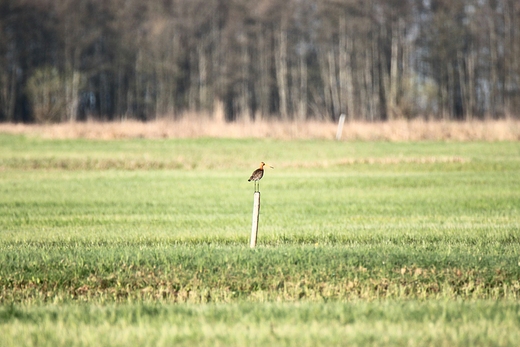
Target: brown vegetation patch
<point>194,127</point>
<point>204,286</point>
<point>377,161</point>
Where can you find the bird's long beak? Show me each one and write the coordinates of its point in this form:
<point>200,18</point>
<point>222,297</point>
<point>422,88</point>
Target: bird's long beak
<point>272,167</point>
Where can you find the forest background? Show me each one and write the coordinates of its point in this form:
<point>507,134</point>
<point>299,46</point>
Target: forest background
<point>374,60</point>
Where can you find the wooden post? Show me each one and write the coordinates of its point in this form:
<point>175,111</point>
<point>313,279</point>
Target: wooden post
<point>256,215</point>
<point>340,126</point>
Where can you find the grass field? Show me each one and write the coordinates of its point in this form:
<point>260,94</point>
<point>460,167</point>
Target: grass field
<point>145,242</point>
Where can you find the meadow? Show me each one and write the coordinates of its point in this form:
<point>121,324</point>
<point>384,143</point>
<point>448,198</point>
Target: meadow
<point>145,242</point>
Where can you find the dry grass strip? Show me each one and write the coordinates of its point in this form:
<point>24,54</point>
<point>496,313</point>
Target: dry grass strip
<point>377,161</point>
<point>195,127</point>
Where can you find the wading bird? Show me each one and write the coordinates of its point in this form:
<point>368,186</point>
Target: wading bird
<point>257,175</point>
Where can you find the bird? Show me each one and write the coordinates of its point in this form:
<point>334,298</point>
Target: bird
<point>257,175</point>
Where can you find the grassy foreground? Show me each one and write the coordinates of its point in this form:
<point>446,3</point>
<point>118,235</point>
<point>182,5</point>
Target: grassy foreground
<point>385,323</point>
<point>145,242</point>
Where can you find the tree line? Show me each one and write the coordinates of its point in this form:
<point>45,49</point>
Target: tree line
<point>372,60</point>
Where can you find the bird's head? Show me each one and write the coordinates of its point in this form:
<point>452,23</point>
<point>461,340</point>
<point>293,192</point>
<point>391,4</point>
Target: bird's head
<point>262,164</point>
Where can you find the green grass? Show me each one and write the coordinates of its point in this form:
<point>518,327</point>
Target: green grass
<point>145,242</point>
<point>306,324</point>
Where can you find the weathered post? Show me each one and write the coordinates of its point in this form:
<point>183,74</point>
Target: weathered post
<point>256,216</point>
<point>339,131</point>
